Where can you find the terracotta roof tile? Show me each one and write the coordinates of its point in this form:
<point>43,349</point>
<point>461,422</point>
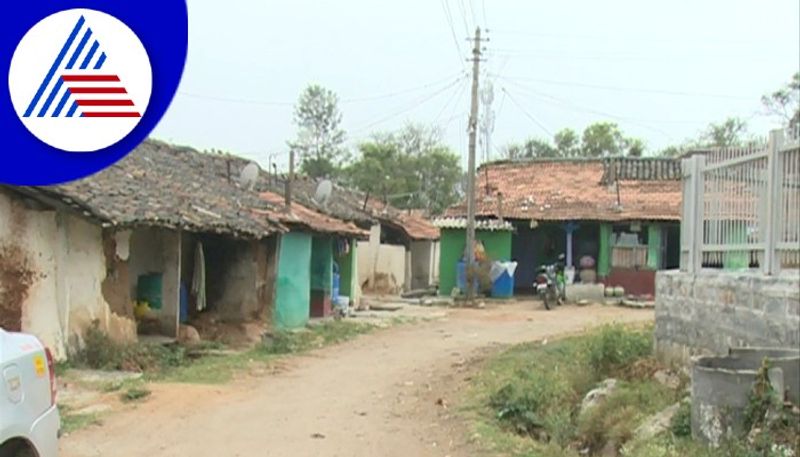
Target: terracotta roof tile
<point>312,219</point>
<point>165,186</point>
<point>573,190</point>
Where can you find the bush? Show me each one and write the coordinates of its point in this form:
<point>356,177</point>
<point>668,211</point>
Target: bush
<point>100,352</point>
<point>681,424</point>
<point>615,419</point>
<point>537,403</point>
<point>615,347</point>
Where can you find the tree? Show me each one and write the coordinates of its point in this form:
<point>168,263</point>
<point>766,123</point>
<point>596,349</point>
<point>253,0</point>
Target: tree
<point>603,139</point>
<point>785,102</point>
<point>409,169</point>
<point>636,147</point>
<point>567,143</point>
<point>726,134</point>
<point>319,138</point>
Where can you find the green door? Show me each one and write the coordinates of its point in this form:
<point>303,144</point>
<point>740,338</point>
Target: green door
<point>293,295</point>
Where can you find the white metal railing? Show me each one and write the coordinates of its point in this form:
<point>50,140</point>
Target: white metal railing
<point>741,206</point>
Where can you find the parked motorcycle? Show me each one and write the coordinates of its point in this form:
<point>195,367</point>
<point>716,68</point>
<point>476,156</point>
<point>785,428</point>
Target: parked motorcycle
<point>550,285</point>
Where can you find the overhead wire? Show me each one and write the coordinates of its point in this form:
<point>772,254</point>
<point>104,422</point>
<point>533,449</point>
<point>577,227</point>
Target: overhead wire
<point>570,105</point>
<point>343,101</point>
<point>417,103</point>
<point>463,11</point>
<point>624,89</point>
<point>527,114</point>
<point>449,17</point>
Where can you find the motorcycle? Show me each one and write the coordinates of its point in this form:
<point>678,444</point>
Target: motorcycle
<point>550,286</point>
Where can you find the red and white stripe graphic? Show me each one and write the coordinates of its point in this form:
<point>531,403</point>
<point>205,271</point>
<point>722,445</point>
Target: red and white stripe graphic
<point>100,95</point>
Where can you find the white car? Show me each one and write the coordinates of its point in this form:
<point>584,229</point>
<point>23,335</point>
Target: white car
<point>29,420</point>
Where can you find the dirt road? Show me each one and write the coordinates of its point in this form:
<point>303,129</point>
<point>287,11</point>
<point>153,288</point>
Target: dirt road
<point>375,396</point>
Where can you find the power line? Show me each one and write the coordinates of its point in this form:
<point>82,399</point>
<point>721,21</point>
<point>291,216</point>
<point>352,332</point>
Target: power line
<point>463,11</point>
<point>526,113</point>
<point>458,89</point>
<point>343,101</point>
<point>623,89</point>
<point>449,16</point>
<point>472,10</point>
<point>417,103</point>
<point>557,101</point>
<point>483,7</point>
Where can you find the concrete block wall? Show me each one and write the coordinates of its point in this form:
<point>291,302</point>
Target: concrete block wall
<point>711,311</point>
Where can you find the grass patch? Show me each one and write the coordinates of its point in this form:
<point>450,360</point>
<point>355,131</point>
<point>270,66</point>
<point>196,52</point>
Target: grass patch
<point>314,336</point>
<point>135,394</point>
<point>526,402</point>
<point>200,364</point>
<point>72,422</point>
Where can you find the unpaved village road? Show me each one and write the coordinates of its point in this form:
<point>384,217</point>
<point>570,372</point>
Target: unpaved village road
<point>374,396</point>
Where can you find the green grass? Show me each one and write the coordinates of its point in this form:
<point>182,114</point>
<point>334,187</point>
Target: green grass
<point>135,394</point>
<point>175,363</point>
<point>314,336</point>
<point>72,422</point>
<point>525,401</point>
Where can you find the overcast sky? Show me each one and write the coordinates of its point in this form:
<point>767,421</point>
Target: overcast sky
<point>661,70</point>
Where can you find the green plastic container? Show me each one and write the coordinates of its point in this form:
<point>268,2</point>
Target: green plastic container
<point>149,288</point>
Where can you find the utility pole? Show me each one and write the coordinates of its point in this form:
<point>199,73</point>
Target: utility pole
<point>289,179</point>
<point>469,256</point>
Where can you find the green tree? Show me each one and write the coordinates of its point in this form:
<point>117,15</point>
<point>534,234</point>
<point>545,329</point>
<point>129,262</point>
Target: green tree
<point>320,139</point>
<point>785,102</point>
<point>729,133</point>
<point>603,139</point>
<point>635,146</point>
<point>567,143</point>
<point>409,168</point>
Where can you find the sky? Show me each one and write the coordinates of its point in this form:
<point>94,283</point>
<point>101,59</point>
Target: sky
<point>661,70</point>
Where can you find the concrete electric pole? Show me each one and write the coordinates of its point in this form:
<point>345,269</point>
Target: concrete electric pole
<point>469,256</point>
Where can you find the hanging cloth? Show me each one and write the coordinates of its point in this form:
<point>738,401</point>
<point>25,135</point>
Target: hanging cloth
<point>199,277</point>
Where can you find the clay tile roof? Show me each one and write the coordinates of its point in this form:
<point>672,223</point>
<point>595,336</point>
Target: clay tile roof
<point>311,219</point>
<point>491,225</point>
<point>579,189</point>
<point>418,228</point>
<point>166,186</point>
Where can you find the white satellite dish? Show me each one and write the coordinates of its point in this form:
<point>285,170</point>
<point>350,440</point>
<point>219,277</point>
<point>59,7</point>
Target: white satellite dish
<point>249,176</point>
<point>323,193</point>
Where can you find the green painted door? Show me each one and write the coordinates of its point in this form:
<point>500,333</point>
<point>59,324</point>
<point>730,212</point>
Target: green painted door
<point>293,294</point>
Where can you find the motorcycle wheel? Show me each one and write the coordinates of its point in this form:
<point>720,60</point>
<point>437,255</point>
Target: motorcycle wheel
<point>546,301</point>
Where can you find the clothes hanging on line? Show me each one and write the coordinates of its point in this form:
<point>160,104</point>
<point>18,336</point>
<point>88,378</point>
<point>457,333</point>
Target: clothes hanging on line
<point>199,277</point>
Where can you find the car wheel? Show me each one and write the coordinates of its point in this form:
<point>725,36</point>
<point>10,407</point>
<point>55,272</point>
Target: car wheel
<point>25,452</point>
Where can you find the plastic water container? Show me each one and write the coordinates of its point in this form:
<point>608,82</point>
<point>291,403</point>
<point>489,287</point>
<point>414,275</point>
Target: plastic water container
<point>343,302</point>
<point>503,286</point>
<point>461,278</point>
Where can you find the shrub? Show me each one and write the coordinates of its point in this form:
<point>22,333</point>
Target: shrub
<point>614,347</point>
<point>135,394</point>
<point>100,352</point>
<point>681,423</point>
<point>538,405</point>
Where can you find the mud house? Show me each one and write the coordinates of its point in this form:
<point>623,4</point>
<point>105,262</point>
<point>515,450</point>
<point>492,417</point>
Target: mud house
<point>622,213</point>
<point>402,249</point>
<point>317,263</point>
<point>160,226</point>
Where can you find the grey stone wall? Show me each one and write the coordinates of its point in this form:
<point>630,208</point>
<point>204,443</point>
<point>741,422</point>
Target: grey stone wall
<point>711,311</point>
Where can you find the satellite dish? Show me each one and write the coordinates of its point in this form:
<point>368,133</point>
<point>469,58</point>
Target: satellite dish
<point>249,176</point>
<point>323,193</point>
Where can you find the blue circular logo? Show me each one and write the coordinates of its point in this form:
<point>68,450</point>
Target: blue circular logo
<point>87,82</point>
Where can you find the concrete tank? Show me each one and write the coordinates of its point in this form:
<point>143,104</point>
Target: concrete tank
<point>720,393</point>
<point>786,359</point>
